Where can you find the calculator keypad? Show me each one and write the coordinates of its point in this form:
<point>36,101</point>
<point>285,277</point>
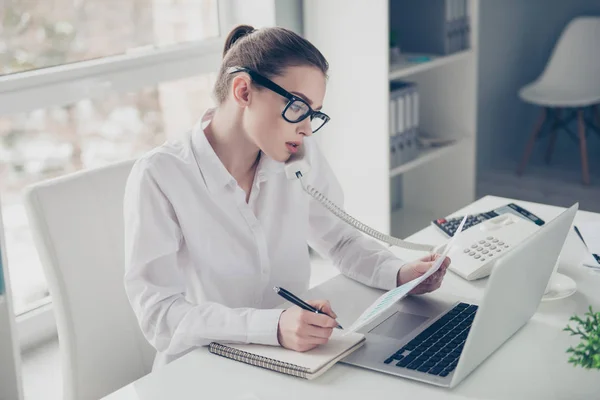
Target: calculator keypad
<point>450,226</point>
<point>483,249</point>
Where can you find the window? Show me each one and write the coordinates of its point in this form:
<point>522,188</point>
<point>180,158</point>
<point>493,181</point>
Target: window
<point>89,82</point>
<point>44,33</point>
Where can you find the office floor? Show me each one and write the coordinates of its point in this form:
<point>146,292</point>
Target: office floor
<point>42,378</point>
<point>557,184</point>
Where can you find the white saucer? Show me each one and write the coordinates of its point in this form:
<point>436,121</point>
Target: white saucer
<point>561,286</point>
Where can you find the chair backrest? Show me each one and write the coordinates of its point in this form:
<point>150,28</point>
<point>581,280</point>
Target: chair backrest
<point>575,61</point>
<point>77,223</point>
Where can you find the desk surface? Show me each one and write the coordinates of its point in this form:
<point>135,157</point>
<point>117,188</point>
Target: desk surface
<point>531,365</point>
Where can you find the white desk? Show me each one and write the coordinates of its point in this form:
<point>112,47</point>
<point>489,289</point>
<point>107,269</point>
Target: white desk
<point>531,365</point>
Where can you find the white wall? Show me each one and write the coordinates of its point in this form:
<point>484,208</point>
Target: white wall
<point>355,141</point>
<point>259,13</point>
<point>288,14</point>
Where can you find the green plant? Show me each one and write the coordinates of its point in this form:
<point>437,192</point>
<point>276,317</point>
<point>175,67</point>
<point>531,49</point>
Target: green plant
<point>587,353</point>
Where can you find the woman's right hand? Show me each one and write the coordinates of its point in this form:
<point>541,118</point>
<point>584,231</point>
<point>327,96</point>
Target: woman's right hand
<point>302,330</point>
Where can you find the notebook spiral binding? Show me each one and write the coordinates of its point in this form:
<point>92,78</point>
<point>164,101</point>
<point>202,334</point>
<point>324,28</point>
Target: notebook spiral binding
<point>259,361</point>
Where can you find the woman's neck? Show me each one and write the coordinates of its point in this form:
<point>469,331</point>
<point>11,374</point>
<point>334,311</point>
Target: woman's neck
<point>235,150</point>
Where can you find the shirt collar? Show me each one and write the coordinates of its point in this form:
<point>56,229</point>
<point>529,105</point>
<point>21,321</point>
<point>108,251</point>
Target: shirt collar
<point>212,169</point>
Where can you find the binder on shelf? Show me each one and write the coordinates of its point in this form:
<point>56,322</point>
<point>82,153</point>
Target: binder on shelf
<point>414,131</point>
<point>404,100</point>
<point>435,27</point>
<point>466,27</point>
<point>393,132</point>
<point>410,142</point>
<point>398,97</point>
<point>460,30</point>
<point>453,26</point>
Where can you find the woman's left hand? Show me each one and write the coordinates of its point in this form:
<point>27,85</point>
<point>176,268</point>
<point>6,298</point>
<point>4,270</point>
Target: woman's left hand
<point>415,269</point>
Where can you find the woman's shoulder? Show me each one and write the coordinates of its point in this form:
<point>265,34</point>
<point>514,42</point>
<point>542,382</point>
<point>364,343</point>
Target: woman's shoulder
<point>172,154</point>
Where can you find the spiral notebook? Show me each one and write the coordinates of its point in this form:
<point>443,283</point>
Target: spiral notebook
<point>307,365</point>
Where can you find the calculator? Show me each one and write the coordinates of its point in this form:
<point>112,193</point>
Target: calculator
<point>448,226</point>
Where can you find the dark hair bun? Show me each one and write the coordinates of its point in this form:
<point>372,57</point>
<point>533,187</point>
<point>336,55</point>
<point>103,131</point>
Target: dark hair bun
<point>235,34</point>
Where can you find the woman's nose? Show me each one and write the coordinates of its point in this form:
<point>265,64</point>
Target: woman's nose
<point>306,127</point>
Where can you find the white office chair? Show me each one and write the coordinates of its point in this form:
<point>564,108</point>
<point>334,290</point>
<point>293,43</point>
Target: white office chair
<point>570,82</point>
<point>77,222</point>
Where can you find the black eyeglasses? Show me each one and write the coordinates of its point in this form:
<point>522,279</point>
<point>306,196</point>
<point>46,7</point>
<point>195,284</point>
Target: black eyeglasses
<point>297,109</point>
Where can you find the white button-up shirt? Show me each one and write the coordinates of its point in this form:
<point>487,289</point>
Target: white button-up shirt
<point>201,263</point>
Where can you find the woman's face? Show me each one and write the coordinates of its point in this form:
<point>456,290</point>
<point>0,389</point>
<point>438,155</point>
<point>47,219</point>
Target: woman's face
<point>262,118</point>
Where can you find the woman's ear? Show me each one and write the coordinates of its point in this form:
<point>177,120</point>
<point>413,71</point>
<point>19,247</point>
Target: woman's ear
<point>241,90</point>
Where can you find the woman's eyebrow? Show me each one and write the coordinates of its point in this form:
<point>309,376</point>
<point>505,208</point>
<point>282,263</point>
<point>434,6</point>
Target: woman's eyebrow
<point>309,101</point>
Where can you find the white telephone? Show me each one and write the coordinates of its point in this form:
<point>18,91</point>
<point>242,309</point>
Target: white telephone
<point>475,250</point>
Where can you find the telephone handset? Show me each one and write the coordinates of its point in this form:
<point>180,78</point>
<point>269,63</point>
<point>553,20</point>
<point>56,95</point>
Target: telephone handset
<point>297,166</point>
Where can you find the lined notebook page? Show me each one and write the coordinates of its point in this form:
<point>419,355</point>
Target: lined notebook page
<point>313,359</point>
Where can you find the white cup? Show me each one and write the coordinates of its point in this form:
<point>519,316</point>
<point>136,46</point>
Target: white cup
<point>550,281</point>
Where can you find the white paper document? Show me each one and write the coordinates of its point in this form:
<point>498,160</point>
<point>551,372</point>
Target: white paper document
<point>388,299</point>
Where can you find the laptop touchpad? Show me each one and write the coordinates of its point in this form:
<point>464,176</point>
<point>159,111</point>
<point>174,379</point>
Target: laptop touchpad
<point>398,325</point>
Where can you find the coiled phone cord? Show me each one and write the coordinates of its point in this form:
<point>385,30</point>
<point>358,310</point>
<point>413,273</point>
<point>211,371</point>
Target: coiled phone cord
<point>331,206</point>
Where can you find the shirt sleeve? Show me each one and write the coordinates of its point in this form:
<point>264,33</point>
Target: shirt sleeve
<point>357,256</point>
<point>155,285</point>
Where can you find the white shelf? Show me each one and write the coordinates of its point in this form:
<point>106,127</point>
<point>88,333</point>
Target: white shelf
<point>403,69</point>
<point>425,155</point>
<point>408,220</point>
<point>447,106</point>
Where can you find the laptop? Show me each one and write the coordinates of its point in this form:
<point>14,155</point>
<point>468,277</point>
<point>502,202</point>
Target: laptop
<point>441,343</point>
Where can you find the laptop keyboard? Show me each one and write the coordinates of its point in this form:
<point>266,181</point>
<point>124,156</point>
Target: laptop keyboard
<point>437,349</point>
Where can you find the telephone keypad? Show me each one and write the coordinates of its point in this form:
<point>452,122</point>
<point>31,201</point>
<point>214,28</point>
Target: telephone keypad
<point>485,248</point>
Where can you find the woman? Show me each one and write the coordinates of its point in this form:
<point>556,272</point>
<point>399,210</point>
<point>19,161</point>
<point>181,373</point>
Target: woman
<point>212,224</point>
